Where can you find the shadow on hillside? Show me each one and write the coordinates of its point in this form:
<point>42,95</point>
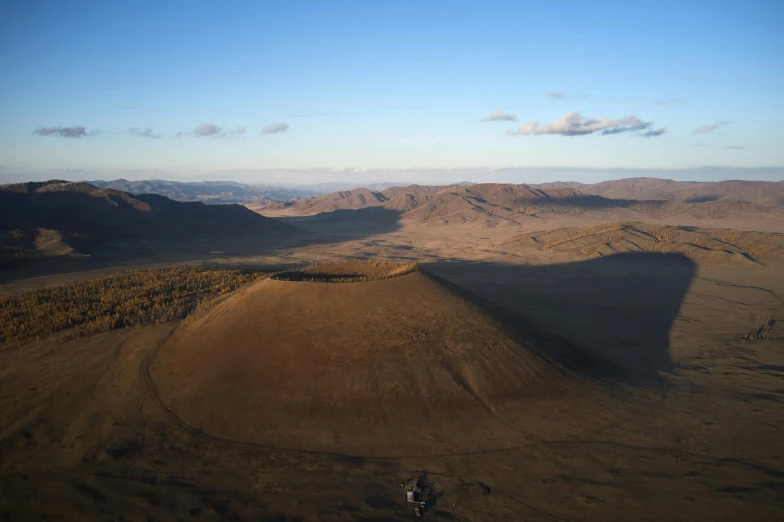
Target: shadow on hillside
<point>344,225</point>
<point>111,232</point>
<point>370,220</point>
<point>585,202</point>
<point>702,199</point>
<point>619,309</point>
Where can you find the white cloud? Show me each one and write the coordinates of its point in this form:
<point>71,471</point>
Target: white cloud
<point>572,124</point>
<point>555,95</point>
<point>206,129</point>
<point>706,129</point>
<point>145,133</point>
<point>726,147</point>
<point>524,130</point>
<point>275,128</point>
<point>499,115</point>
<point>210,130</point>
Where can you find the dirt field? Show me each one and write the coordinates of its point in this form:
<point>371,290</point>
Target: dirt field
<point>669,407</point>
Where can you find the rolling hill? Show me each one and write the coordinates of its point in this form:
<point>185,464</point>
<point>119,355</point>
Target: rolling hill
<point>354,199</point>
<point>508,204</point>
<point>763,193</point>
<point>59,218</point>
<point>713,246</point>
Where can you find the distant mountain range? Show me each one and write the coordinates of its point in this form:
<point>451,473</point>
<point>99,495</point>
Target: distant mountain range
<point>211,192</point>
<point>629,199</point>
<point>59,218</point>
<point>766,193</point>
<point>54,218</point>
<point>335,186</point>
<point>220,192</point>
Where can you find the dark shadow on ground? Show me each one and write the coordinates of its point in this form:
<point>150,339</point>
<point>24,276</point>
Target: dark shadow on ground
<point>345,224</point>
<point>583,203</point>
<point>615,312</point>
<point>123,230</point>
<point>702,199</point>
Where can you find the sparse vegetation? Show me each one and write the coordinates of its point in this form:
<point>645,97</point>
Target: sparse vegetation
<point>619,237</point>
<point>552,208</point>
<point>658,208</point>
<point>663,233</point>
<point>17,244</point>
<point>758,250</point>
<point>584,232</point>
<point>731,236</point>
<point>132,298</point>
<point>761,331</point>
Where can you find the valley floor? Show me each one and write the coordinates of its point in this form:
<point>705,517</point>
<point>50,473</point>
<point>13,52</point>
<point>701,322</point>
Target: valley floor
<point>694,431</point>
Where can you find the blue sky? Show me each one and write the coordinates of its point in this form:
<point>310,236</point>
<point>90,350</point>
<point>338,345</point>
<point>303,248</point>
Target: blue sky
<point>185,89</point>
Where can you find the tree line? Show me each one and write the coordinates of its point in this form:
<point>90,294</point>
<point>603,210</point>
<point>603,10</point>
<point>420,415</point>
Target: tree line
<point>132,298</point>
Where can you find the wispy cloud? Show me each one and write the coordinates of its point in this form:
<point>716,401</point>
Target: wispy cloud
<point>725,147</point>
<point>499,115</point>
<point>653,133</point>
<point>644,129</point>
<point>210,130</point>
<point>62,132</point>
<point>525,129</point>
<point>707,129</point>
<point>555,95</point>
<point>206,129</point>
<point>145,133</point>
<point>275,128</point>
<point>572,124</point>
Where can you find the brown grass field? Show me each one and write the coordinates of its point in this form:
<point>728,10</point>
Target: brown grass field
<point>544,371</point>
